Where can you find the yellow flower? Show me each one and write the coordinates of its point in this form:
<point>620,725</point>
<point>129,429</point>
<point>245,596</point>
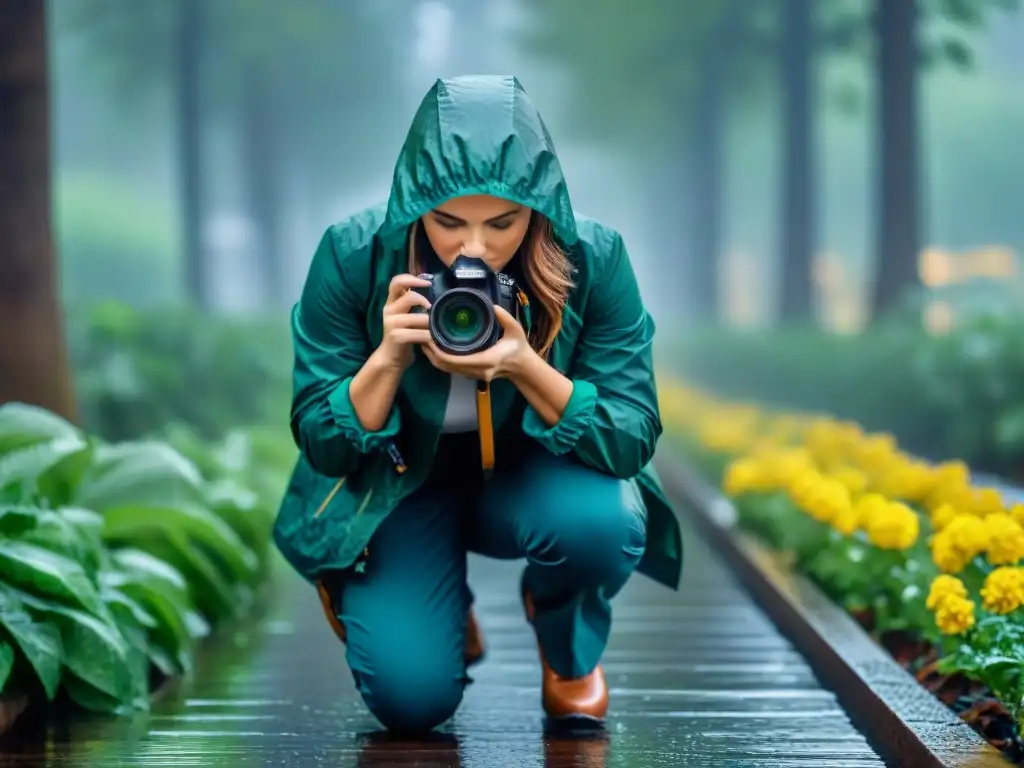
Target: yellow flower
<point>1005,539</point>
<point>1004,590</point>
<point>958,543</point>
<point>943,516</point>
<point>869,505</point>
<point>987,501</point>
<point>954,473</point>
<point>847,520</point>
<point>741,475</point>
<point>827,499</point>
<point>955,615</point>
<point>895,528</point>
<point>1017,510</point>
<point>854,480</point>
<point>943,587</point>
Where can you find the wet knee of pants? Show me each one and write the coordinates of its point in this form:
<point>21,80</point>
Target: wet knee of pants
<point>593,537</point>
<point>410,697</point>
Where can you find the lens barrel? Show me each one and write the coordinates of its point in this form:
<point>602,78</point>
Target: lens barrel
<point>462,321</point>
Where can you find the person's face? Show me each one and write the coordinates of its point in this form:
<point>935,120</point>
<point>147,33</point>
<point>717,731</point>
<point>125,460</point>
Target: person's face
<point>481,226</point>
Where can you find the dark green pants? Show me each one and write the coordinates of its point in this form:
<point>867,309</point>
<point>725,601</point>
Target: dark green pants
<point>581,533</point>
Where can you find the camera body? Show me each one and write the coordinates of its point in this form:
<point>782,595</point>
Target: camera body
<point>462,300</point>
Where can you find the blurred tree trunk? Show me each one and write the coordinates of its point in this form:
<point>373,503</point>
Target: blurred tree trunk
<point>262,144</point>
<point>799,213</point>
<point>188,49</point>
<point>898,190</point>
<point>34,364</point>
<point>706,149</point>
<point>706,196</point>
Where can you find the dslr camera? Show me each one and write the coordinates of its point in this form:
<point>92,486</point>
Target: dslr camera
<point>462,299</point>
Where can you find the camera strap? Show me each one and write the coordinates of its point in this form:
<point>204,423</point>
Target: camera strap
<point>485,426</point>
<point>484,422</point>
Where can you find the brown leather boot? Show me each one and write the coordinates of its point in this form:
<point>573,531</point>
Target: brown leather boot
<point>475,648</point>
<point>567,698</point>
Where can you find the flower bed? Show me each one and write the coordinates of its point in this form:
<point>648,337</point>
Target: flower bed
<point>927,561</point>
<point>116,559</point>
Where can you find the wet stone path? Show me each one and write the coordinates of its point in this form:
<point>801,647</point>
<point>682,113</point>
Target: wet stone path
<point>698,678</point>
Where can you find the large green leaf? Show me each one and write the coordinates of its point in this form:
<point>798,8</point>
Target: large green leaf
<point>169,634</point>
<point>39,641</point>
<point>125,609</point>
<point>241,508</point>
<point>143,564</point>
<point>95,651</point>
<point>22,425</point>
<point>37,570</point>
<point>163,592</point>
<point>16,519</point>
<point>134,524</point>
<point>6,662</point>
<point>74,533</point>
<point>139,474</point>
<point>211,592</point>
<point>49,469</point>
<point>89,697</point>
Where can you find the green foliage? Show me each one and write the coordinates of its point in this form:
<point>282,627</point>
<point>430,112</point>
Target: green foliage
<point>137,371</point>
<point>117,557</point>
<point>959,395</point>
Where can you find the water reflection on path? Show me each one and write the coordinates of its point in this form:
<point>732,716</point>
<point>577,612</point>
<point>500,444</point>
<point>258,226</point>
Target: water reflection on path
<point>698,678</point>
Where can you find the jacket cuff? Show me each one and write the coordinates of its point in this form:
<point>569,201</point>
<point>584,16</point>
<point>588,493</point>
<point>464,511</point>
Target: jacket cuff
<point>348,422</point>
<point>576,418</point>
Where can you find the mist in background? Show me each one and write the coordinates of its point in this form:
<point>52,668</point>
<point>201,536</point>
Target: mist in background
<point>232,135</point>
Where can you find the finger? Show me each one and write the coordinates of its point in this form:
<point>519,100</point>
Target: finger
<point>407,321</point>
<point>404,304</point>
<point>505,318</point>
<point>411,336</point>
<point>402,283</point>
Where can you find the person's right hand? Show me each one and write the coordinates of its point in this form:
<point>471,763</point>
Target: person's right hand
<point>402,328</point>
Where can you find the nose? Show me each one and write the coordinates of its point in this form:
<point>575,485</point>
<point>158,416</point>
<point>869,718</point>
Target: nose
<point>474,246</point>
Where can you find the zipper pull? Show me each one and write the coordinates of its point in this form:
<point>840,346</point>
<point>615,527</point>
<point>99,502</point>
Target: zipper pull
<point>396,458</point>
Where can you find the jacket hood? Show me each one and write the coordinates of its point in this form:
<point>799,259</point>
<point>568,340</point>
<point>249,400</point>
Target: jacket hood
<point>478,135</point>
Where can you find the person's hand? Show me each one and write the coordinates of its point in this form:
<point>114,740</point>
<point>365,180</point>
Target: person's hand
<point>403,329</point>
<point>493,363</point>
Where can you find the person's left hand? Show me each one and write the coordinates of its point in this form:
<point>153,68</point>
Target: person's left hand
<point>493,363</point>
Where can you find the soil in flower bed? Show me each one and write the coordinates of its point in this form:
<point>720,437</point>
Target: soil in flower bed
<point>969,699</point>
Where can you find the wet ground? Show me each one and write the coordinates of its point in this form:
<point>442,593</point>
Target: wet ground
<point>698,678</point>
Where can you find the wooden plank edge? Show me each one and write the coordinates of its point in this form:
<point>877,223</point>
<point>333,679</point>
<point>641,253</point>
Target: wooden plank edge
<point>902,721</point>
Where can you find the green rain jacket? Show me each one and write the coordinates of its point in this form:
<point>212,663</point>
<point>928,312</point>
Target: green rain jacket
<point>470,135</point>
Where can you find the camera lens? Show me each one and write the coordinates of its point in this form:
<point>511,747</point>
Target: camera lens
<point>462,321</point>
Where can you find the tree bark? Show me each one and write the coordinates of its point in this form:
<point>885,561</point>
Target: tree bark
<point>898,191</point>
<point>188,47</point>
<point>34,364</point>
<point>799,215</point>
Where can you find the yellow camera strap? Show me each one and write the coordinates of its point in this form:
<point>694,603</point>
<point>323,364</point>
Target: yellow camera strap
<point>484,422</point>
<point>485,426</point>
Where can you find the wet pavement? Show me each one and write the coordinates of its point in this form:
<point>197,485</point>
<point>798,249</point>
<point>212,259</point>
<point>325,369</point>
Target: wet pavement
<point>698,678</point>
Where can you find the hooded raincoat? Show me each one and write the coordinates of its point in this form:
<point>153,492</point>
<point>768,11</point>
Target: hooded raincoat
<point>470,135</point>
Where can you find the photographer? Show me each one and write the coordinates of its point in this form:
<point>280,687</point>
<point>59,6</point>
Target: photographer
<point>473,373</point>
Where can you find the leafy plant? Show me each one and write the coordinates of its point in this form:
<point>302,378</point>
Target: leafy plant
<point>959,395</point>
<point>137,371</point>
<point>920,551</point>
<point>115,558</point>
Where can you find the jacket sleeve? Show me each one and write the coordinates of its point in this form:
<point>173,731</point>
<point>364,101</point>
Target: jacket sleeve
<point>330,346</point>
<point>612,421</point>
